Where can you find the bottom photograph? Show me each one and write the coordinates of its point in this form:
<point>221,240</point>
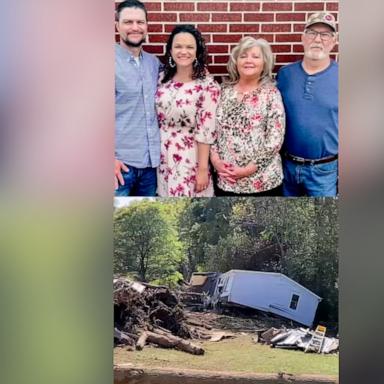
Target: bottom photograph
<point>225,290</point>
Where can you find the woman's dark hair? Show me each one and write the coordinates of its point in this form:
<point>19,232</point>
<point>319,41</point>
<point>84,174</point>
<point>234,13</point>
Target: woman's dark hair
<point>199,69</point>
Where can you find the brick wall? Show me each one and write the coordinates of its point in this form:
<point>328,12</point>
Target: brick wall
<point>224,23</point>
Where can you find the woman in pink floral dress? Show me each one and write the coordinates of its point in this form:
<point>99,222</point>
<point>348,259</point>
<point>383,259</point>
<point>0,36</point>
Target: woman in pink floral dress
<point>186,102</point>
<point>250,125</point>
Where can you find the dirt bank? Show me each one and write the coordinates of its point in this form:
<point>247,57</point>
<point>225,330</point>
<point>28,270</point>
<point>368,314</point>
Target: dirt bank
<point>129,374</point>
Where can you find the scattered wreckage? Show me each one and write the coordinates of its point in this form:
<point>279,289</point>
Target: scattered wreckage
<point>300,338</point>
<point>147,314</point>
<point>144,313</point>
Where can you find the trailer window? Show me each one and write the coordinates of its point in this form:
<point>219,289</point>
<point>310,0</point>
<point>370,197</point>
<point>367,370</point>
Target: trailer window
<point>294,301</point>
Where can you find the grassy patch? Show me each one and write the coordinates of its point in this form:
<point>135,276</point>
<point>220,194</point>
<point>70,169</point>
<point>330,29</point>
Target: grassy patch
<point>239,355</point>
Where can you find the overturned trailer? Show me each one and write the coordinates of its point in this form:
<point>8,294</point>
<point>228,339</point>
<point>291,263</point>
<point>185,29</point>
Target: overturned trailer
<point>267,291</point>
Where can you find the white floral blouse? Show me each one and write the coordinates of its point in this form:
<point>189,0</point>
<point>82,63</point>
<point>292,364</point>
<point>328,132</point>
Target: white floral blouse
<point>186,114</point>
<point>251,130</point>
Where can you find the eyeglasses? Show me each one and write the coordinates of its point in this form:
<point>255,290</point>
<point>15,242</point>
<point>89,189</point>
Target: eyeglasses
<point>311,34</point>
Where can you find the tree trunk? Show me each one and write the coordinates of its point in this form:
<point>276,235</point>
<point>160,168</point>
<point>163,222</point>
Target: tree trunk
<point>142,340</point>
<point>170,341</point>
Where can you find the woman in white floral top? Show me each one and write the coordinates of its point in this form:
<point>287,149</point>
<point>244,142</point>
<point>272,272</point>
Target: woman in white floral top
<point>250,125</point>
<point>186,102</point>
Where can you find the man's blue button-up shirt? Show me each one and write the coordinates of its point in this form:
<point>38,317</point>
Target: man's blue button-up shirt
<point>137,136</point>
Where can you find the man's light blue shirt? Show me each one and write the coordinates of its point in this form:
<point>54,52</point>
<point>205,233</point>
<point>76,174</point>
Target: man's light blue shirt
<point>137,136</point>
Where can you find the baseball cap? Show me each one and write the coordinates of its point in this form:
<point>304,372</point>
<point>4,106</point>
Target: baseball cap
<point>321,17</point>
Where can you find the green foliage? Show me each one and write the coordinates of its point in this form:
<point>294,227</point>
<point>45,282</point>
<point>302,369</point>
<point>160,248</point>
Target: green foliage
<point>145,240</point>
<point>170,280</point>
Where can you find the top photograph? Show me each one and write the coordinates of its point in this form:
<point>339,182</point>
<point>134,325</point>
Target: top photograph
<point>226,98</point>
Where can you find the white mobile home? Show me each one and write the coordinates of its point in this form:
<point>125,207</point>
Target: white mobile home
<point>269,292</point>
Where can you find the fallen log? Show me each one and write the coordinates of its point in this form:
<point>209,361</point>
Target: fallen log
<point>142,340</point>
<point>170,341</point>
<point>199,324</point>
<point>124,337</point>
<point>160,331</point>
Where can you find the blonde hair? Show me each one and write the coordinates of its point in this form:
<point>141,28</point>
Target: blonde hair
<point>244,44</point>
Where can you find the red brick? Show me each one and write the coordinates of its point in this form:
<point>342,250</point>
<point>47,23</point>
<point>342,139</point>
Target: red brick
<point>276,28</point>
<point>161,38</point>
<point>153,6</point>
<point>218,7</point>
<point>298,48</point>
<point>245,7</point>
<point>217,48</point>
<point>290,17</point>
<point>268,37</point>
<point>332,7</point>
<point>194,17</point>
<point>155,49</point>
<point>309,6</point>
<point>162,16</point>
<point>155,28</point>
<point>277,7</point>
<point>221,59</point>
<point>298,27</point>
<point>259,17</point>
<point>288,58</point>
<point>281,48</point>
<point>226,38</point>
<point>217,69</point>
<point>169,27</point>
<point>179,6</point>
<point>244,28</point>
<point>288,38</point>
<point>207,38</point>
<point>226,16</point>
<point>212,27</point>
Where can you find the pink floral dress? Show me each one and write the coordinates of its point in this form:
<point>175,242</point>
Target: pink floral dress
<point>251,130</point>
<point>186,114</point>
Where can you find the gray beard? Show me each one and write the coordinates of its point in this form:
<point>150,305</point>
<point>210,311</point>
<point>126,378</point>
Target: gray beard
<point>315,55</point>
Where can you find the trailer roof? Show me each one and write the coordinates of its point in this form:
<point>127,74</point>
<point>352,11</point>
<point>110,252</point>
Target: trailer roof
<point>273,273</point>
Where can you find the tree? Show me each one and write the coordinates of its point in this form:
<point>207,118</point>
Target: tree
<point>145,241</point>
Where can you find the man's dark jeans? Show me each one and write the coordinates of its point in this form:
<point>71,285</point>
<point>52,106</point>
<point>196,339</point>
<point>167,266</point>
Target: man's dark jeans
<point>138,182</point>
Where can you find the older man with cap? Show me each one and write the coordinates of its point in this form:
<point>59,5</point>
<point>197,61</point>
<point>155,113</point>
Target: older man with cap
<point>310,94</point>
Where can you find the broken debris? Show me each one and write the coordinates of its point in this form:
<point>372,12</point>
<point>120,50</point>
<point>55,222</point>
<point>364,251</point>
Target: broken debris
<point>297,339</point>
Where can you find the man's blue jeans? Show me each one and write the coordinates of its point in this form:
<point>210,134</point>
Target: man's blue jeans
<point>138,182</point>
<point>310,180</point>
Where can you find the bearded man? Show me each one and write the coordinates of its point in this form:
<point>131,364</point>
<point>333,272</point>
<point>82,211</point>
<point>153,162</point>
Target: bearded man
<point>137,136</point>
<point>310,94</point>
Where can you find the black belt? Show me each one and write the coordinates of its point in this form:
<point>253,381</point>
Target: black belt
<point>301,160</point>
